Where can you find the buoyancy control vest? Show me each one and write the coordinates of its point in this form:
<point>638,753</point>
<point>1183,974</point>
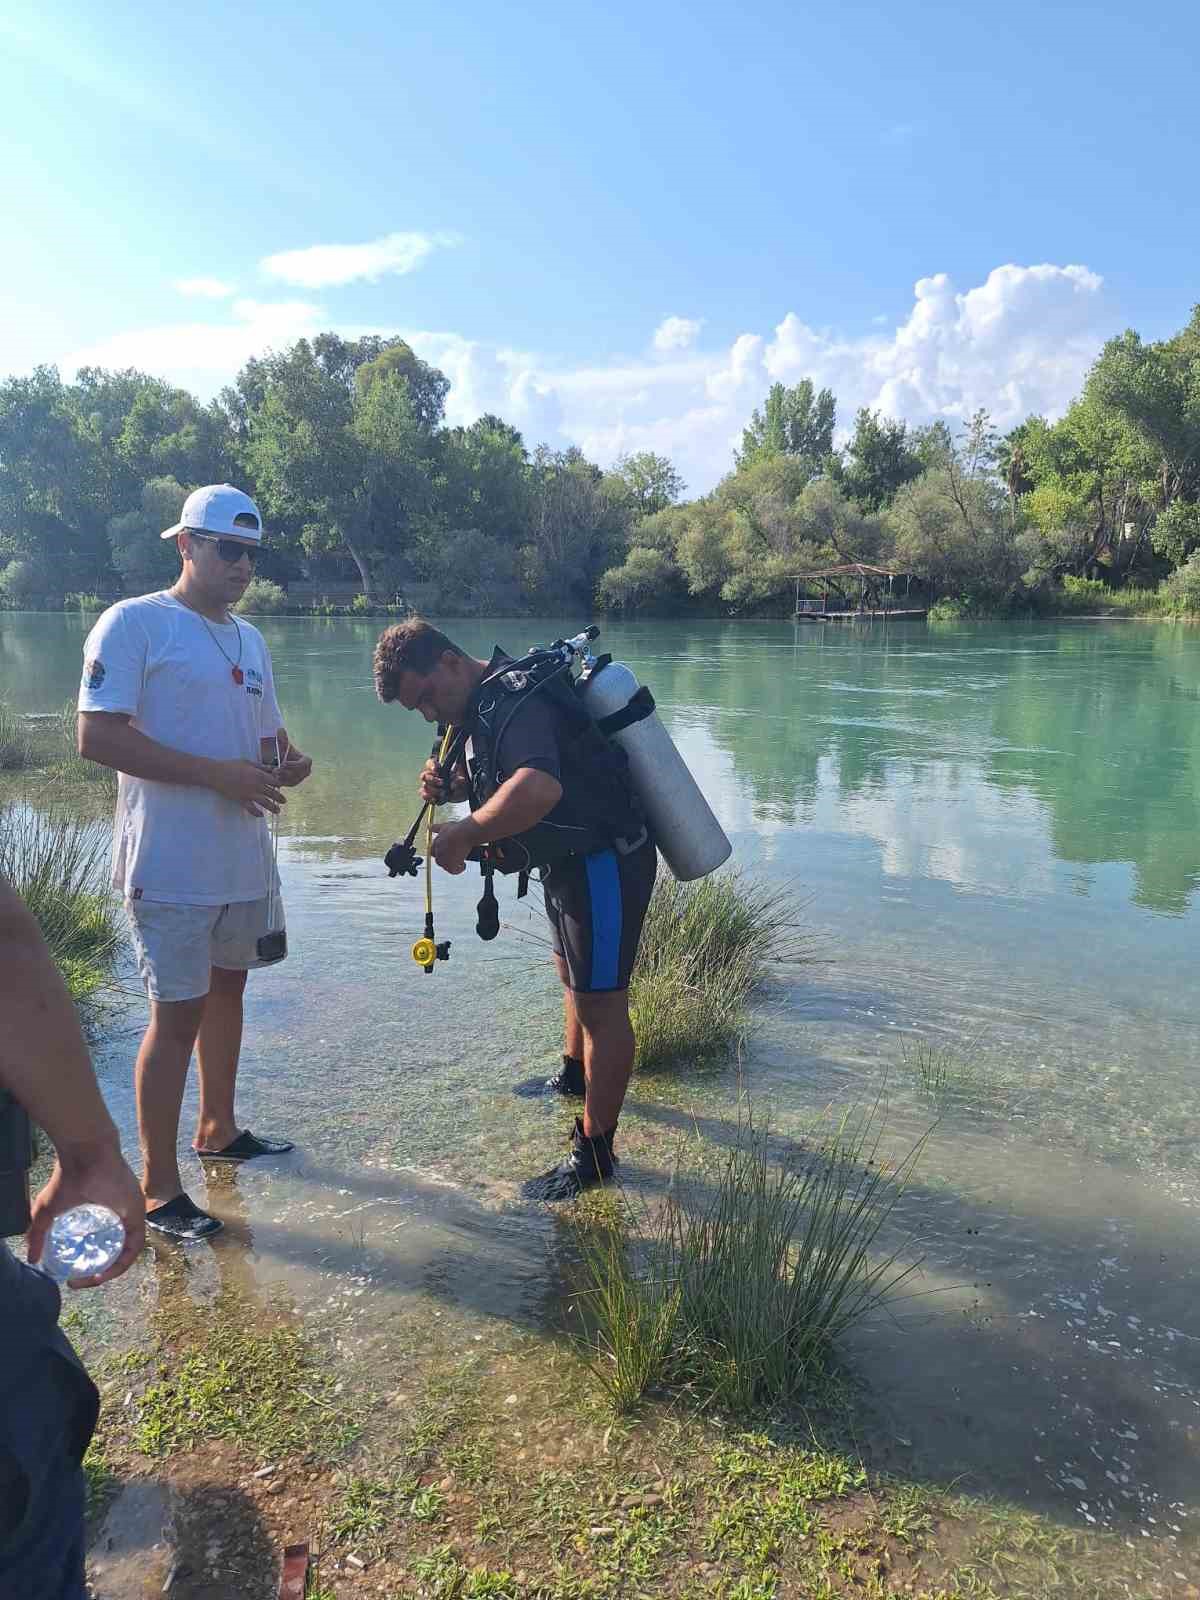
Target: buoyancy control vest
<point>598,806</point>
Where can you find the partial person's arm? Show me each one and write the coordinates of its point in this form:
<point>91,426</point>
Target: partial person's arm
<point>528,750</point>
<point>44,1065</point>
<point>109,739</point>
<point>519,803</point>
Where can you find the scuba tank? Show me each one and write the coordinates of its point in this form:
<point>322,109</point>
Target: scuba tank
<point>689,837</point>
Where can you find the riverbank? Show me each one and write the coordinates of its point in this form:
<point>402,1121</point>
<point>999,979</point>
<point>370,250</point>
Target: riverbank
<point>957,810</point>
<point>441,1464</point>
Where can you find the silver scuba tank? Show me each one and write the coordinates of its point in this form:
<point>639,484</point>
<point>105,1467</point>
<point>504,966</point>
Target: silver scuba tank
<point>691,840</point>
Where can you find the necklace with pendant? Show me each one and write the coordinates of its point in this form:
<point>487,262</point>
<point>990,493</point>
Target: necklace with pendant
<point>235,667</point>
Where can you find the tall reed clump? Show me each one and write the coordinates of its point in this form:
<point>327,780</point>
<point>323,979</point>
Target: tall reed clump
<point>58,865</point>
<point>16,747</point>
<point>736,1291</point>
<point>705,948</point>
<point>68,766</point>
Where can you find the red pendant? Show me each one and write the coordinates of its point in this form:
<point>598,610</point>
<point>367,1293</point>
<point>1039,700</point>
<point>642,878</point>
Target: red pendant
<point>238,675</point>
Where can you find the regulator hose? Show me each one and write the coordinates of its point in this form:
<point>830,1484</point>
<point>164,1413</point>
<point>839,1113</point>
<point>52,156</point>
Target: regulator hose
<point>427,951</point>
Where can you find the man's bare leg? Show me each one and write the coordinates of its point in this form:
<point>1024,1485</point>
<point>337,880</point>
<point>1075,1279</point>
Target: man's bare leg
<point>598,1026</point>
<point>218,1046</point>
<point>572,1027</point>
<point>608,1046</point>
<point>160,1076</point>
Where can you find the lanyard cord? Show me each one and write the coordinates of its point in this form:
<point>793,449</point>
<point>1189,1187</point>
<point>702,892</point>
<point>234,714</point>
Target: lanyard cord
<point>274,870</point>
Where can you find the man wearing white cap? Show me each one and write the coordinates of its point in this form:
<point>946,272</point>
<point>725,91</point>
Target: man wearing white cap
<point>178,696</point>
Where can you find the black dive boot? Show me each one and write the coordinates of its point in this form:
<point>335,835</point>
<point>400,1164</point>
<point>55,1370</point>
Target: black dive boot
<point>568,1080</point>
<point>590,1162</point>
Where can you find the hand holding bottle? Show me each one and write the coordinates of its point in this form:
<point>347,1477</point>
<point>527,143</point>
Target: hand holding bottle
<point>97,1176</point>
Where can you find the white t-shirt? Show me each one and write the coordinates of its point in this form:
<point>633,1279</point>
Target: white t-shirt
<point>162,664</point>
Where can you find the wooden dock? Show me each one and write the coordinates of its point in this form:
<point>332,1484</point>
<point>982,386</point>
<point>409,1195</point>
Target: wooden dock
<point>859,616</point>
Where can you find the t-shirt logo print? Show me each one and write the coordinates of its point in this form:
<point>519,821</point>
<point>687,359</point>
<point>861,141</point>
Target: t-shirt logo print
<point>93,674</point>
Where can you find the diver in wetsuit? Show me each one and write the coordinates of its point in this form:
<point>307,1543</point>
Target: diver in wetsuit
<point>548,793</point>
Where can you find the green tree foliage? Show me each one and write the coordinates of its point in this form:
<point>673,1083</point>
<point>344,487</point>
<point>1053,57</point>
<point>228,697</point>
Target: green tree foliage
<point>793,422</point>
<point>646,577</point>
<point>337,437</point>
<point>50,500</point>
<point>951,528</point>
<point>878,461</point>
<point>644,483</point>
<point>576,530</point>
<point>146,560</point>
<point>1155,388</point>
<point>739,549</point>
<point>343,443</point>
<point>485,481</point>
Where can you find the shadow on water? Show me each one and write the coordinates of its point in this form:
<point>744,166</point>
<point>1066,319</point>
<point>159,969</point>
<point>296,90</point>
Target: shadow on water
<point>997,1365</point>
<point>1004,1363</point>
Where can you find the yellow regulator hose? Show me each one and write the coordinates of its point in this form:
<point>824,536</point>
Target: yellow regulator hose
<point>424,952</point>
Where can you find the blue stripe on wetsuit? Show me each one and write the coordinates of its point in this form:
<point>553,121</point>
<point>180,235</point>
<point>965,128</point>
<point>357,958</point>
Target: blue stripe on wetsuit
<point>604,894</point>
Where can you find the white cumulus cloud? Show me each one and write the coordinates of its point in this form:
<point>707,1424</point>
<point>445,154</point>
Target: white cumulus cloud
<point>1019,342</point>
<point>203,356</point>
<point>205,288</point>
<point>321,266</point>
<point>676,333</point>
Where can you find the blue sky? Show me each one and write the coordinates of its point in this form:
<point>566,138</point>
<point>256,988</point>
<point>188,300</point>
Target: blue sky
<point>616,223</point>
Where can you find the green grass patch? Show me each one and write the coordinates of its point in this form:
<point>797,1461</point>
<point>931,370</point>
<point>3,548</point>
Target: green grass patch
<point>16,746</point>
<point>59,866</point>
<point>266,1390</point>
<point>735,1291</point>
<point>99,1480</point>
<point>1091,597</point>
<point>705,948</point>
<point>942,1072</point>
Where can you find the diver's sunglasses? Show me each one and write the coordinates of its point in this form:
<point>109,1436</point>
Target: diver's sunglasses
<point>229,550</point>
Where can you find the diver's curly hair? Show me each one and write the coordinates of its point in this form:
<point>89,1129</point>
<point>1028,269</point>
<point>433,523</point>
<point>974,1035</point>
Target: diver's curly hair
<point>410,646</point>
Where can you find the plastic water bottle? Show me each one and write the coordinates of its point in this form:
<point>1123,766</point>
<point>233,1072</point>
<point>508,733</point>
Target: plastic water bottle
<point>82,1242</point>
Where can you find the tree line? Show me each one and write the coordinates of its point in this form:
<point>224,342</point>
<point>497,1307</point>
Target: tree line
<point>345,446</point>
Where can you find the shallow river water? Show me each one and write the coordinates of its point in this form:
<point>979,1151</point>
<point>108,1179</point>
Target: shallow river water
<point>994,832</point>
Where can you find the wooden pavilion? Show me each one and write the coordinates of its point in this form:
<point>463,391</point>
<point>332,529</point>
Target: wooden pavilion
<point>876,593</point>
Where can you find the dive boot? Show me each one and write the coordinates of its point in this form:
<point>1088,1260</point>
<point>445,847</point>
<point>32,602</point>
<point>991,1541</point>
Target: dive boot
<point>568,1080</point>
<point>590,1162</point>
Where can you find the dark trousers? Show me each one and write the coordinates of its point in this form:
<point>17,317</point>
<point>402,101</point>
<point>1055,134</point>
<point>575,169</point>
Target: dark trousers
<point>48,1408</point>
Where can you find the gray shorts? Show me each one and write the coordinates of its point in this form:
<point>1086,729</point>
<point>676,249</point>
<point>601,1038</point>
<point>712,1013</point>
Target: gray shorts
<point>177,946</point>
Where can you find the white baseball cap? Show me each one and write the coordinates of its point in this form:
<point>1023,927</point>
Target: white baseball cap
<point>221,510</point>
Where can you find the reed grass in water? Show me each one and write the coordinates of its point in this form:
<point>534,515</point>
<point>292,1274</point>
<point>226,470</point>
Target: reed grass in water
<point>59,866</point>
<point>70,766</point>
<point>736,1291</point>
<point>705,948</point>
<point>16,747</point>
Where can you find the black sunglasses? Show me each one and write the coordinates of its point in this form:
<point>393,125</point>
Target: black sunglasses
<point>230,550</point>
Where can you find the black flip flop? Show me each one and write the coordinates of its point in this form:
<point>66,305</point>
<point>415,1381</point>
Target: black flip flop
<point>246,1146</point>
<point>181,1219</point>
